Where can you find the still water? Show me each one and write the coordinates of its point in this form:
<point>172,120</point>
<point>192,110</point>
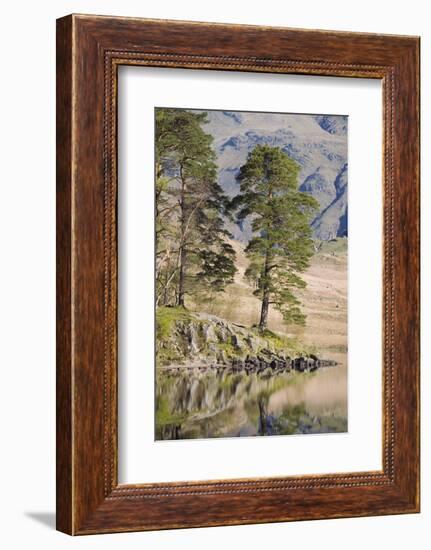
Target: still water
<point>193,404</point>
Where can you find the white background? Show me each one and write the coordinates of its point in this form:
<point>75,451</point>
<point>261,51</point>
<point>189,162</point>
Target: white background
<point>27,119</point>
<point>141,458</point>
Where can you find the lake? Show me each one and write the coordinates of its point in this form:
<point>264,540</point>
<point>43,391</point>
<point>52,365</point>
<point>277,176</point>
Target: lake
<point>193,404</point>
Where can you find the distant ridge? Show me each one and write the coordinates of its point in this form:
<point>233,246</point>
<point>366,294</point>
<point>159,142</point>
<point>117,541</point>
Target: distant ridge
<point>317,142</point>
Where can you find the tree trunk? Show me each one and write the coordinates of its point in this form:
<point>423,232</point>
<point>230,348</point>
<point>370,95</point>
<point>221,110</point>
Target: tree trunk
<point>181,285</point>
<point>265,297</point>
<point>264,311</point>
<point>182,251</point>
<point>263,417</point>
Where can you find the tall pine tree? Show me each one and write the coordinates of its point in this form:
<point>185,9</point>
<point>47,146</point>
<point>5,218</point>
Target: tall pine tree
<point>281,246</point>
<point>192,252</point>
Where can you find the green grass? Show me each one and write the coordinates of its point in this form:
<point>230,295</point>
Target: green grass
<point>284,344</point>
<point>280,343</point>
<point>229,350</point>
<point>167,316</point>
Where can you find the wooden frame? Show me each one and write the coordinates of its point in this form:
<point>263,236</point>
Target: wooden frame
<point>89,51</point>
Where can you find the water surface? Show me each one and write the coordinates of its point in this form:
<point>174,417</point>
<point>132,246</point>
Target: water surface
<point>194,404</point>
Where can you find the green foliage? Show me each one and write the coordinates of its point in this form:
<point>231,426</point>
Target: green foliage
<point>193,256</point>
<point>282,244</point>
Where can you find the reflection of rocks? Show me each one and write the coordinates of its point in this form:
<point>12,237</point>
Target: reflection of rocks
<point>266,421</point>
<point>268,363</point>
<point>206,402</point>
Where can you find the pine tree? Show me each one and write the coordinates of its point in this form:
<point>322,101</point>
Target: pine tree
<point>281,246</point>
<point>193,254</point>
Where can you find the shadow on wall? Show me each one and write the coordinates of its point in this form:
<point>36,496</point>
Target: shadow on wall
<point>45,518</point>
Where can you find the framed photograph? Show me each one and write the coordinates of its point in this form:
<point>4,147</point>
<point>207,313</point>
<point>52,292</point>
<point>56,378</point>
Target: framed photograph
<point>237,274</point>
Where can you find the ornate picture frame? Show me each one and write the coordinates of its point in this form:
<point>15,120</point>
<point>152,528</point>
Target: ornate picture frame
<point>89,51</point>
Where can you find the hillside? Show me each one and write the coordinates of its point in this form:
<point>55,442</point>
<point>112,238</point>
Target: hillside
<point>324,302</point>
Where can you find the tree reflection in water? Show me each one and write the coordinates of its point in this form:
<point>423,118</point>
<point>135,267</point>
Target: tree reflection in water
<point>194,404</point>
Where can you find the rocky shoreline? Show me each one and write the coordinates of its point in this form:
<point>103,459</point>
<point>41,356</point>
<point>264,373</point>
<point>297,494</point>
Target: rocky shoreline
<point>269,362</point>
<point>207,343</point>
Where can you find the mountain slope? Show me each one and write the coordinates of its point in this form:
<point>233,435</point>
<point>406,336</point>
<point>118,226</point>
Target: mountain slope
<point>317,142</point>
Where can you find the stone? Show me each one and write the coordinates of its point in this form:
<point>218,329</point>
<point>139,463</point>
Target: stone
<point>236,342</point>
<point>251,343</point>
<point>208,332</point>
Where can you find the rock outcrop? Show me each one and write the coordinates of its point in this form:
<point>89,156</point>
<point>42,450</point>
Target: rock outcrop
<point>203,341</point>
